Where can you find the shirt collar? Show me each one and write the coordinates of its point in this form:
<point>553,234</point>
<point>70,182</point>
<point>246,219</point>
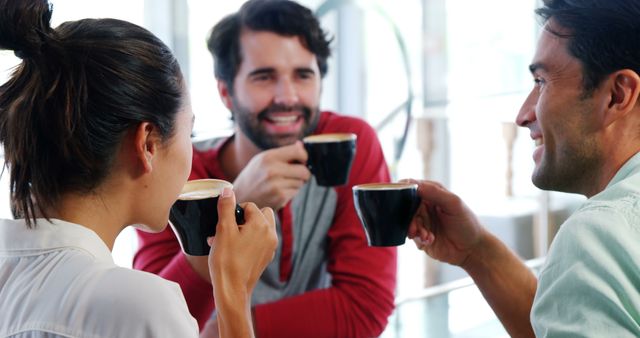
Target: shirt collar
<point>631,167</point>
<point>16,238</point>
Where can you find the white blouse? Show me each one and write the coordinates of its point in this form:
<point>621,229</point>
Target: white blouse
<point>59,280</point>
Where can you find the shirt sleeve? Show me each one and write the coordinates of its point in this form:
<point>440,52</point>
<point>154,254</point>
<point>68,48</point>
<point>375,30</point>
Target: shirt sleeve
<point>589,285</point>
<point>363,279</point>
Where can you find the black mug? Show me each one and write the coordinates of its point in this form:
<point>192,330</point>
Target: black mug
<point>330,157</point>
<point>194,216</point>
<point>385,211</point>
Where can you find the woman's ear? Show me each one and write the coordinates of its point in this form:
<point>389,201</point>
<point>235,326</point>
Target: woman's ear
<point>146,142</point>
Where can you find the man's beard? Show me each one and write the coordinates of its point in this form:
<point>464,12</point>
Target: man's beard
<point>570,170</point>
<point>250,124</point>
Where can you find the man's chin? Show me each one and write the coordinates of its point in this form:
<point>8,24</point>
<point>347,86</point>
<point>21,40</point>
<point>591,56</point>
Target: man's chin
<point>282,141</point>
<point>271,142</point>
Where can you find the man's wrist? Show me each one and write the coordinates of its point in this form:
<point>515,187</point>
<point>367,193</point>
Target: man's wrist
<point>479,256</point>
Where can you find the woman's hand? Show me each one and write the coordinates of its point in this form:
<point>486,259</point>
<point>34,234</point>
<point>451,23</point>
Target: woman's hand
<point>239,254</point>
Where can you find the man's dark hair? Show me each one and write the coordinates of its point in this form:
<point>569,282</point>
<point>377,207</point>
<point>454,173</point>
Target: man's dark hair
<point>282,17</point>
<point>603,34</point>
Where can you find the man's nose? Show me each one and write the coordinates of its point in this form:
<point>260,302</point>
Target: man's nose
<point>527,113</point>
<point>286,93</point>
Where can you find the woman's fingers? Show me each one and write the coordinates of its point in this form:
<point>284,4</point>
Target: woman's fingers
<point>226,211</point>
<point>269,215</point>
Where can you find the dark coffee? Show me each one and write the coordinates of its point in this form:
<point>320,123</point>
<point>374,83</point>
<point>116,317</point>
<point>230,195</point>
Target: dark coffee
<point>330,157</point>
<point>194,215</point>
<point>386,210</point>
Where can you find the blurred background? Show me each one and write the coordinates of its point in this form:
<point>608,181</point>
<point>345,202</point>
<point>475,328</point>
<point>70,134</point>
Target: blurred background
<point>441,81</point>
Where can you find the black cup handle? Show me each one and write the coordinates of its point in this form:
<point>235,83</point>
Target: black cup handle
<point>239,214</point>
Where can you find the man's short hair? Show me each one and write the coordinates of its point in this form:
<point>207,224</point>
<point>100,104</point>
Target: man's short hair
<point>282,17</point>
<point>603,34</point>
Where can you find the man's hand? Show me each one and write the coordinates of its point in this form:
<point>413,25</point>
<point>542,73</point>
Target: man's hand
<point>448,231</point>
<point>273,177</point>
<point>443,226</point>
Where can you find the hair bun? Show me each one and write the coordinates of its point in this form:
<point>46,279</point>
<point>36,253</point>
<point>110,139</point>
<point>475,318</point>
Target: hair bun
<point>21,54</point>
<point>24,26</point>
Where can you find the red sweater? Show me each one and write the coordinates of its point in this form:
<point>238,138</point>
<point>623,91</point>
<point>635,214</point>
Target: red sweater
<point>360,297</point>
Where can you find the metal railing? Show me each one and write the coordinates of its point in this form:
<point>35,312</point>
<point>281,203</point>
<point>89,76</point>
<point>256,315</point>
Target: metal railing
<point>450,310</point>
<point>440,289</point>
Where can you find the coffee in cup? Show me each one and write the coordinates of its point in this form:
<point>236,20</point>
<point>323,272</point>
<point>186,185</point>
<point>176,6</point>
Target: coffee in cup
<point>194,216</point>
<point>385,211</point>
<point>330,157</point>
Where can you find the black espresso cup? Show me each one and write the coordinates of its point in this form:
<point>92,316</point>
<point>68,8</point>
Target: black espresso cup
<point>385,211</point>
<point>194,216</point>
<point>330,157</point>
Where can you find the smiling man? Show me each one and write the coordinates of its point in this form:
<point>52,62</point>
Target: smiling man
<point>584,117</point>
<point>270,58</point>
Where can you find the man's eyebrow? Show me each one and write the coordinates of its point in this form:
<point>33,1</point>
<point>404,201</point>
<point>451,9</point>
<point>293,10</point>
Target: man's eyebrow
<point>535,66</point>
<point>305,70</point>
<point>261,71</point>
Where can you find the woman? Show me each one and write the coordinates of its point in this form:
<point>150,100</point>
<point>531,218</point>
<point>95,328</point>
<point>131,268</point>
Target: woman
<point>95,124</point>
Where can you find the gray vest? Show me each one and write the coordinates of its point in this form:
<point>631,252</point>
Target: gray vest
<point>312,212</point>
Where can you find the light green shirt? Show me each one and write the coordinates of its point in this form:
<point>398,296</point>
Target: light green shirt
<point>590,285</point>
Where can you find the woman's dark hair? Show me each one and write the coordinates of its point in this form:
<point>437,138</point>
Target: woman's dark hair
<point>79,89</point>
<point>602,34</point>
<point>282,17</point>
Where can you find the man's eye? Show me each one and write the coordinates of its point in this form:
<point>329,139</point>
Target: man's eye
<point>261,77</point>
<point>305,75</point>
